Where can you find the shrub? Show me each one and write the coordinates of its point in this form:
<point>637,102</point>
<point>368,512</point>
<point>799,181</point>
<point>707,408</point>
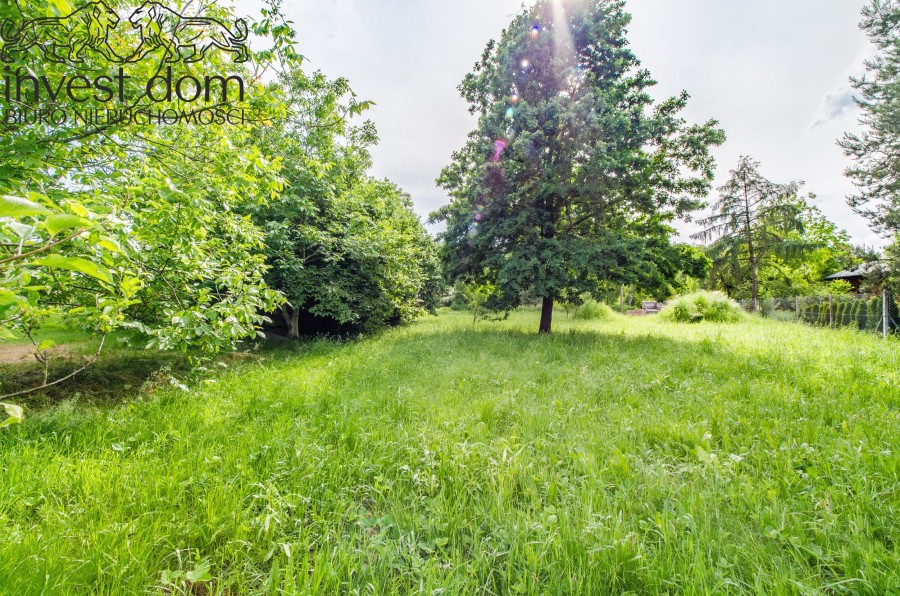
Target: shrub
<point>874,312</point>
<point>592,310</point>
<point>458,300</point>
<point>809,312</point>
<point>862,314</point>
<point>713,307</point>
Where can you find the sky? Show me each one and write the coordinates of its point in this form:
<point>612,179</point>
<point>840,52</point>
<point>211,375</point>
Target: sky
<point>774,73</point>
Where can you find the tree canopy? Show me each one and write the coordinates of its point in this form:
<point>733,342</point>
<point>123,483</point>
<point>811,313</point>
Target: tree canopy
<point>342,246</point>
<point>768,240</point>
<point>191,230</point>
<point>574,174</point>
<point>133,222</point>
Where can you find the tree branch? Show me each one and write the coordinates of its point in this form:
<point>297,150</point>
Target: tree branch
<point>58,381</point>
<point>42,249</point>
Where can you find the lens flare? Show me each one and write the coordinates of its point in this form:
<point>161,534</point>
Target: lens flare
<point>563,44</point>
<point>499,148</point>
<point>535,31</point>
<point>514,98</point>
<point>510,113</point>
<point>525,63</point>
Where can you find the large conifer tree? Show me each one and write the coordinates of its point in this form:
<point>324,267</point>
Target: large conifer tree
<point>574,173</point>
<point>877,149</point>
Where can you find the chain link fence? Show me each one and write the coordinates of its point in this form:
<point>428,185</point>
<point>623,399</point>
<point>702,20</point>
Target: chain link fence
<point>847,311</point>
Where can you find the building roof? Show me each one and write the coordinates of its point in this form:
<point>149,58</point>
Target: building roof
<point>858,273</point>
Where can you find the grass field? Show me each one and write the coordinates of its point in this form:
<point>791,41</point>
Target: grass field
<point>626,455</point>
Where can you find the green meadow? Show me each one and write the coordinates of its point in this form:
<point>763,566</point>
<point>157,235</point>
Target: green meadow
<point>623,455</point>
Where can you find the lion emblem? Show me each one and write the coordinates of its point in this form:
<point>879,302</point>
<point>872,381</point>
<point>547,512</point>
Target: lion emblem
<point>63,39</point>
<point>185,38</point>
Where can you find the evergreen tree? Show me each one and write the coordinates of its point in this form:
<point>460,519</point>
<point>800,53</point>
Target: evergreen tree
<point>573,174</point>
<point>877,149</point>
<point>752,219</point>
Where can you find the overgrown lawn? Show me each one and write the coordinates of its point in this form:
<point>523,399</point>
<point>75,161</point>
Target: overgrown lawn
<point>613,456</point>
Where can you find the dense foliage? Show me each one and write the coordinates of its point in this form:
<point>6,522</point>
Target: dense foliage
<point>342,246</point>
<point>876,150</point>
<point>122,222</point>
<point>573,174</point>
<point>192,232</point>
<point>769,241</point>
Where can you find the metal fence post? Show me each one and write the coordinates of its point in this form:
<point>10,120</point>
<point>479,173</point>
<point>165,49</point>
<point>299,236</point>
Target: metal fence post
<point>797,300</point>
<point>885,314</point>
<point>830,311</point>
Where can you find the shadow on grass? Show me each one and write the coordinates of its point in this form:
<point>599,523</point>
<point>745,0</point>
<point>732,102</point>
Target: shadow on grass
<point>434,354</point>
<point>115,376</point>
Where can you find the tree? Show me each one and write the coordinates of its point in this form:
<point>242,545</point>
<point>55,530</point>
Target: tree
<point>126,223</point>
<point>876,150</point>
<point>342,246</point>
<point>806,251</point>
<point>753,215</point>
<point>573,174</point>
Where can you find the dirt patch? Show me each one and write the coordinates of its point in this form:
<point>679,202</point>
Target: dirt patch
<point>19,353</point>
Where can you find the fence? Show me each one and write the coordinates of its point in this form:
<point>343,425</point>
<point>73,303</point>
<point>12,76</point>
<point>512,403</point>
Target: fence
<point>862,311</point>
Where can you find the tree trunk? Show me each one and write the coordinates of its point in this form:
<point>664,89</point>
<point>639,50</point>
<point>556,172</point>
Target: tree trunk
<point>748,230</point>
<point>546,316</point>
<point>754,278</point>
<point>292,320</point>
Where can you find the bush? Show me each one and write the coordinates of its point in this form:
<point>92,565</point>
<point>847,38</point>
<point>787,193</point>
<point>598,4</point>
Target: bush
<point>458,300</point>
<point>875,313</point>
<point>713,307</point>
<point>592,310</point>
<point>862,314</point>
<point>847,317</point>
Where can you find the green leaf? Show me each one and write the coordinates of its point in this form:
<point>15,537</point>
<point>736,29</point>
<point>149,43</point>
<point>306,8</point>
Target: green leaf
<point>76,264</point>
<point>110,245</point>
<point>59,8</point>
<point>7,298</point>
<point>5,333</point>
<point>16,414</point>
<point>19,207</point>
<point>62,221</point>
<point>46,345</point>
<point>199,574</point>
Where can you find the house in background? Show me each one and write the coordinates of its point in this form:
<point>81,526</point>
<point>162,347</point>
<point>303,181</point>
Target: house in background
<point>857,277</point>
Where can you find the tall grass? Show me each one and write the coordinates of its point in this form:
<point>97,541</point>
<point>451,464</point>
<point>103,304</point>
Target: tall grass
<point>592,310</point>
<point>625,455</point>
<point>698,307</point>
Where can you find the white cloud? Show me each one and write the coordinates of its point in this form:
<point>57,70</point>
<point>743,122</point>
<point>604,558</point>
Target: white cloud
<point>839,105</point>
<point>836,105</point>
<point>777,79</point>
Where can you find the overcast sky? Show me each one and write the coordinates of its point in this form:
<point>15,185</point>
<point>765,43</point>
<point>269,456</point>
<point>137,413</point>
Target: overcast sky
<point>773,72</point>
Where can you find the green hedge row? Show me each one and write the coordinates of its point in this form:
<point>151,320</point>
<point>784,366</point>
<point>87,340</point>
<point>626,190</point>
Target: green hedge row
<point>858,314</point>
